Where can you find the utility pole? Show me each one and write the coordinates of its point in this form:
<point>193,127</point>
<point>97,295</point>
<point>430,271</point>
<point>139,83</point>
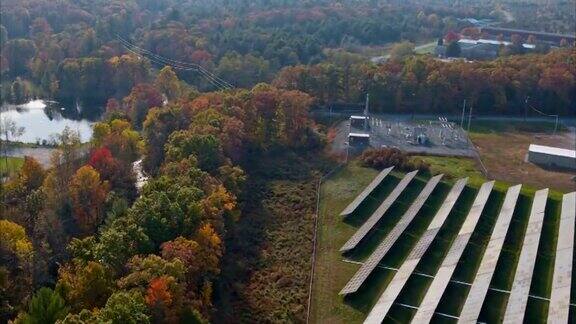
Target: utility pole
<point>413,106</point>
<point>366,111</point>
<point>470,118</point>
<point>462,118</point>
<point>526,108</point>
<point>555,125</point>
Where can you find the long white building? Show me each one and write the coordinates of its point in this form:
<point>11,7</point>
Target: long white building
<point>552,157</point>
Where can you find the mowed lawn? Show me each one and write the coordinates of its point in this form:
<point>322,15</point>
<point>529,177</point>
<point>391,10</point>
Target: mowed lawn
<point>332,272</point>
<point>10,165</point>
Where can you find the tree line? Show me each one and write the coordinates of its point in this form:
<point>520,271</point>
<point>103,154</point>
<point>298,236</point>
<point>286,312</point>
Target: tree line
<point>424,84</point>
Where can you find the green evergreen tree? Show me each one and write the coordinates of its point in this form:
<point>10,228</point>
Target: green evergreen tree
<point>46,307</point>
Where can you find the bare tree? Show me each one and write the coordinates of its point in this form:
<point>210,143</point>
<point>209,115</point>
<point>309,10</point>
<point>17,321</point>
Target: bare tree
<point>10,131</point>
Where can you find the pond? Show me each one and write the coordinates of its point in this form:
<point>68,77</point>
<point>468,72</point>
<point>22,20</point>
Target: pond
<point>44,119</point>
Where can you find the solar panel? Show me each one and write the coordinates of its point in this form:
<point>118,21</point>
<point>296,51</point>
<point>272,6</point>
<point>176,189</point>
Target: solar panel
<point>360,276</point>
<point>380,310</point>
<point>377,215</point>
<point>368,190</point>
<point>477,294</point>
<point>442,278</point>
<point>562,279</point>
<point>518,298</point>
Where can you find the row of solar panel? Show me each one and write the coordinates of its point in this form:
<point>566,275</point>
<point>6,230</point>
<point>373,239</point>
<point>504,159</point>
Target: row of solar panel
<point>559,305</point>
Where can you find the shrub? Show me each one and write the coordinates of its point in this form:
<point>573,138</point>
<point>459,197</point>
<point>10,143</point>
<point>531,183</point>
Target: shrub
<point>387,157</point>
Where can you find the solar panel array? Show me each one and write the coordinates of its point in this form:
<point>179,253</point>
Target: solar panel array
<point>442,278</point>
<point>518,298</point>
<point>380,310</point>
<point>367,191</point>
<point>366,269</point>
<point>377,215</point>
<point>562,280</point>
<point>559,304</point>
<point>477,294</point>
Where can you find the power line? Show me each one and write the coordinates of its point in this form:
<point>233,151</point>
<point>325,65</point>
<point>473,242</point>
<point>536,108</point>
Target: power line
<point>160,60</point>
<point>176,67</point>
<point>544,114</point>
<point>184,66</point>
<point>174,63</point>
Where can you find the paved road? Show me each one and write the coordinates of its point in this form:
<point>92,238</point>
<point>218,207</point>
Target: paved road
<point>568,121</point>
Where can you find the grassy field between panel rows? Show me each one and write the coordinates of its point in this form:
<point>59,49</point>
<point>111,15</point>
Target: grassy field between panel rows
<point>333,270</point>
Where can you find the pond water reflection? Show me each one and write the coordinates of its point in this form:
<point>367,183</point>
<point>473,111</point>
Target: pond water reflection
<point>43,119</point>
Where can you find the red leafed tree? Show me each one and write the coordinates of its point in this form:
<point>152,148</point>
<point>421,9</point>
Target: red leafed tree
<point>101,159</point>
<point>295,106</point>
<point>451,37</point>
<point>117,173</point>
<point>142,97</point>
<point>185,250</point>
<point>201,56</point>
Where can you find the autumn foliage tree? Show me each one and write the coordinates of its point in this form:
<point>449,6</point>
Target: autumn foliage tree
<point>160,299</point>
<point>202,258</point>
<point>159,124</point>
<point>88,193</point>
<point>85,285</point>
<point>118,173</point>
<point>16,256</point>
<point>423,84</point>
<point>118,136</point>
<point>168,84</point>
<point>102,161</point>
<point>29,178</point>
<point>142,97</point>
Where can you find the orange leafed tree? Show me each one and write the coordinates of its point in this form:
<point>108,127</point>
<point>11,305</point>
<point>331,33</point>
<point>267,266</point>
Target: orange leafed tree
<point>88,194</point>
<point>201,255</point>
<point>158,292</point>
<point>32,174</point>
<point>164,300</point>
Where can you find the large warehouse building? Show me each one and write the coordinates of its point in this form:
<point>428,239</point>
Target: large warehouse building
<point>552,157</point>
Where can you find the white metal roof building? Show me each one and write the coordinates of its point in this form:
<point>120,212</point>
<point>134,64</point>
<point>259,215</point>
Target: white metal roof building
<point>361,135</point>
<point>553,157</point>
<point>358,139</point>
<point>492,42</point>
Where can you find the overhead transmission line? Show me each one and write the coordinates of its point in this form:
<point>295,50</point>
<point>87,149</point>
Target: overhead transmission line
<point>179,65</point>
<point>161,60</point>
<point>556,117</point>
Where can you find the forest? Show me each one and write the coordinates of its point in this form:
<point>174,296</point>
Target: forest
<point>222,229</point>
<point>109,253</point>
<point>76,51</point>
<point>72,50</point>
<point>425,85</point>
